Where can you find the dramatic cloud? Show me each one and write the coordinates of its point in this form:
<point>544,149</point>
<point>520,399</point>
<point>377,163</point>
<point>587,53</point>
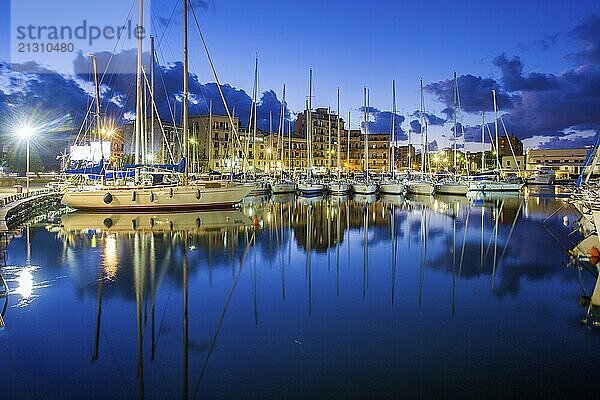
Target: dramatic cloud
<point>567,143</point>
<point>513,79</point>
<point>536,104</point>
<point>119,88</point>
<point>415,126</point>
<point>475,93</point>
<point>587,34</point>
<point>382,122</point>
<point>431,118</point>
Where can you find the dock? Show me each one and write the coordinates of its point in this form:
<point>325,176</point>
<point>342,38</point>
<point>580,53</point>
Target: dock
<point>16,208</point>
<point>3,294</point>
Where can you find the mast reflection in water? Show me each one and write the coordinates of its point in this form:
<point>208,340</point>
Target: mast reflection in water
<point>302,298</point>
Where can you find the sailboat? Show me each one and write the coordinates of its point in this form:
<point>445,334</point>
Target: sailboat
<point>308,186</point>
<point>453,185</point>
<point>365,186</point>
<point>182,196</point>
<point>338,187</point>
<point>421,185</point>
<point>495,185</point>
<point>262,187</point>
<point>283,185</point>
<point>393,185</point>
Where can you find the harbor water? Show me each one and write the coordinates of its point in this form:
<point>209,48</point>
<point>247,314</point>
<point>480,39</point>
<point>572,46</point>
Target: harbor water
<point>291,298</point>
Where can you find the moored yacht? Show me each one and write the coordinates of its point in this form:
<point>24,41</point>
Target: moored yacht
<point>452,187</point>
<point>181,196</point>
<point>338,187</point>
<point>391,187</point>
<point>364,187</point>
<point>543,176</point>
<point>280,187</point>
<point>174,197</point>
<point>310,187</point>
<point>420,186</point>
<point>489,185</point>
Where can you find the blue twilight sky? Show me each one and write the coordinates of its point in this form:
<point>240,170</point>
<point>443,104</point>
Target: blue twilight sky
<point>532,52</point>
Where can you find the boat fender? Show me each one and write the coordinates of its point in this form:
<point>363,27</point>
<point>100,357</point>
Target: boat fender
<point>151,197</point>
<point>171,193</point>
<point>133,224</point>
<point>151,222</point>
<point>107,223</point>
<point>133,195</point>
<point>595,255</point>
<point>107,199</point>
<point>198,194</point>
<point>198,222</point>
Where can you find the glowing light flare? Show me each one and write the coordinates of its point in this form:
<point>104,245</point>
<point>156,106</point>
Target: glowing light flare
<point>25,131</point>
<point>25,283</point>
<point>110,257</point>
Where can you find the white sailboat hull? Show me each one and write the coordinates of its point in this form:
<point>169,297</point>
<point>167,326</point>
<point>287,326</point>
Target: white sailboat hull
<point>494,186</point>
<point>338,188</point>
<point>420,187</point>
<point>283,187</point>
<point>188,197</point>
<point>308,189</point>
<point>364,188</point>
<point>456,188</point>
<point>392,188</point>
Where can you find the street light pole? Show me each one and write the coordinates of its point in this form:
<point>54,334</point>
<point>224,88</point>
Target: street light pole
<point>27,168</point>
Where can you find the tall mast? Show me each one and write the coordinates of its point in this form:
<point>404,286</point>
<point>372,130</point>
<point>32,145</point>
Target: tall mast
<point>482,141</point>
<point>423,134</point>
<point>455,111</point>
<point>328,141</point>
<point>185,90</point>
<point>339,161</point>
<point>496,129</point>
<point>290,145</point>
<point>98,117</point>
<point>348,144</point>
<point>152,97</point>
<point>254,146</point>
<point>282,130</point>
<point>270,152</point>
<point>366,131</point>
<point>210,136</point>
<point>144,144</point>
<point>309,125</point>
<point>392,133</point>
<point>138,102</point>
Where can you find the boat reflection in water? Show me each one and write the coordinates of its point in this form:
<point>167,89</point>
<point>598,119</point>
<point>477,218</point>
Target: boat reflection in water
<point>185,232</point>
<point>244,303</point>
<point>197,222</point>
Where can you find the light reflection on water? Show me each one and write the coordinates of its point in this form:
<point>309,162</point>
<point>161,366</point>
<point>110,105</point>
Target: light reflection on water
<point>304,298</point>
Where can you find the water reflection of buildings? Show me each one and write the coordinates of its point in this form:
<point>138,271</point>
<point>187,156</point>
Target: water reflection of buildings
<point>329,219</point>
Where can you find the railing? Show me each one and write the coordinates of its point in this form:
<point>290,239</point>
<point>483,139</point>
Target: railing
<point>19,196</point>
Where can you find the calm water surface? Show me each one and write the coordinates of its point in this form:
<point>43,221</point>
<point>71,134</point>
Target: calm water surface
<point>293,299</point>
